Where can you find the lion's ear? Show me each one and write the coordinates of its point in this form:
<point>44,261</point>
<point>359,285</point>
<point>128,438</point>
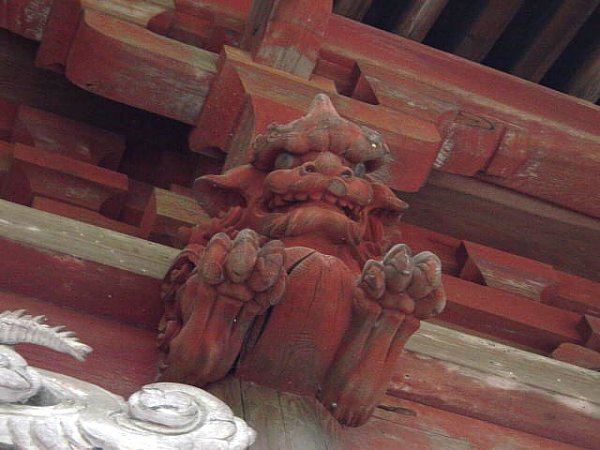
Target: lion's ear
<point>219,193</point>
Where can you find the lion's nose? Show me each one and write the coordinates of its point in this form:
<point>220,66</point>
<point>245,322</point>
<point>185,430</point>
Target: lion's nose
<point>327,164</point>
<point>337,188</point>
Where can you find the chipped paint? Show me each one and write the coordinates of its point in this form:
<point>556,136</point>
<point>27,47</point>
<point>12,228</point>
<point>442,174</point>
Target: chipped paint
<point>444,152</point>
<point>35,16</point>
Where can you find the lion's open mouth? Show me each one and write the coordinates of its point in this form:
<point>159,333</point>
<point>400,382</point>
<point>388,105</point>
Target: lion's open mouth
<point>289,201</point>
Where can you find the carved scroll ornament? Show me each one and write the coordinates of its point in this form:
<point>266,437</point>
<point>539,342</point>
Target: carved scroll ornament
<point>293,284</point>
<point>41,410</point>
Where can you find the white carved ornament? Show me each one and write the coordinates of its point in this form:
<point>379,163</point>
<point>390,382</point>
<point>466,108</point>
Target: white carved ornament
<point>46,410</point>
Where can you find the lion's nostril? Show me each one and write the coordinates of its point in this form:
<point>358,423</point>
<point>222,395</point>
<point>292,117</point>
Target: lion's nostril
<point>308,168</point>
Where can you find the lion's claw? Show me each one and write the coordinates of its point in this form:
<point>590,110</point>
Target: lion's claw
<point>398,265</point>
<point>405,283</point>
<point>213,260</point>
<point>242,256</point>
<point>373,279</point>
<point>242,270</point>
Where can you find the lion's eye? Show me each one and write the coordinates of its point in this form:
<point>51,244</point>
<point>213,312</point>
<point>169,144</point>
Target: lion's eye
<point>285,161</point>
<point>360,169</point>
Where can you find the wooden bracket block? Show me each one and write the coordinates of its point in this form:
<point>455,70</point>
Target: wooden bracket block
<point>589,327</point>
<point>37,172</point>
<point>511,153</point>
<point>276,37</point>
<point>577,355</point>
<point>576,294</point>
<point>507,316</point>
<point>171,212</point>
<point>25,19</point>
<point>61,26</point>
<point>262,96</point>
<point>508,272</point>
<point>469,142</point>
<point>6,158</point>
<point>133,65</point>
<point>67,137</point>
<point>8,115</point>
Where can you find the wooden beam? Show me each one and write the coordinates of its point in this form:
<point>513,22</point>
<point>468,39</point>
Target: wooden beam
<point>53,233</point>
<point>518,135</point>
<point>481,35</point>
<point>585,83</point>
<point>276,37</point>
<point>140,68</point>
<point>553,38</point>
<point>508,317</point>
<point>353,9</point>
<point>418,18</point>
<point>498,396</point>
<point>400,423</point>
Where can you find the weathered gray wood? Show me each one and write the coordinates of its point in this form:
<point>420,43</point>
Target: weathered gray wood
<point>53,233</point>
<point>283,421</point>
<point>507,362</point>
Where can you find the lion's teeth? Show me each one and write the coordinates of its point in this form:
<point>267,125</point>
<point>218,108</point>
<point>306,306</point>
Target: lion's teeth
<point>315,197</point>
<point>302,196</point>
<point>343,203</point>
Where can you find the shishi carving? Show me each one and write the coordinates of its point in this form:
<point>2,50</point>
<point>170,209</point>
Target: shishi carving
<point>293,284</point>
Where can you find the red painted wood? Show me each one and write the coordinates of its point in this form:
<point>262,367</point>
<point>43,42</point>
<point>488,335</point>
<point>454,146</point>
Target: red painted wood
<point>68,137</point>
<point>279,98</point>
<point>589,328</point>
<point>8,115</point>
<point>124,357</point>
<point>267,285</point>
<point>494,399</point>
<point>39,172</point>
<point>542,143</point>
<point>136,66</point>
<point>554,171</point>
<point>61,26</point>
<point>504,271</point>
<point>6,158</point>
<point>576,294</point>
<point>510,273</point>
<point>577,355</point>
<point>275,37</point>
<point>25,18</point>
<point>508,316</point>
<point>81,285</point>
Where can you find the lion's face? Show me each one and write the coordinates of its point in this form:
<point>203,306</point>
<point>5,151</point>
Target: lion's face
<point>314,176</point>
